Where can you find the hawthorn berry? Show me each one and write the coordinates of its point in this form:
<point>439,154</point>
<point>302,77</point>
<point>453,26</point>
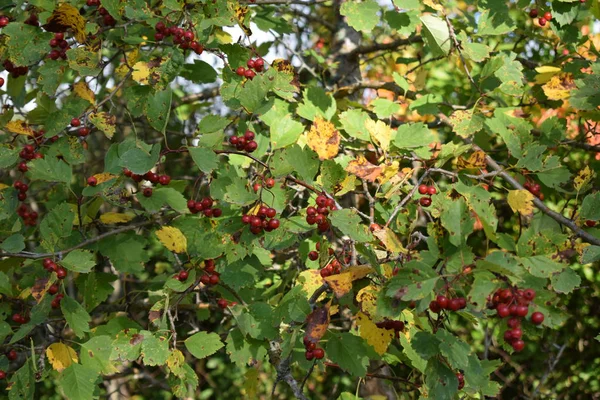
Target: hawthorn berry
<point>164,180</point>
<point>183,275</point>
<point>270,183</point>
<point>12,355</point>
<point>2,375</point>
<point>542,21</point>
<point>434,307</point>
<point>259,64</point>
<point>53,289</point>
<point>61,273</point>
<point>537,318</point>
<point>313,255</point>
<point>533,13</point>
<point>309,355</point>
<point>75,122</point>
<point>319,353</point>
<point>442,301</point>
<point>256,187</point>
<point>589,223</point>
<point>1,81</point>
<point>518,345</point>
<point>249,74</point>
<point>92,181</point>
<point>425,201</point>
<point>423,189</point>
<point>431,190</point>
<point>250,63</point>
<point>240,71</point>
<point>548,16</point>
<point>214,279</point>
<point>83,131</point>
<point>251,146</point>
<point>147,192</point>
<point>222,303</point>
<point>3,22</point>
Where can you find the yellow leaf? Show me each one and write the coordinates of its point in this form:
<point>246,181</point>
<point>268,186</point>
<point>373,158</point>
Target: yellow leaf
<point>310,280</point>
<point>222,36</point>
<point>20,127</point>
<point>342,283</point>
<point>397,181</point>
<point>475,160</point>
<point>390,240</point>
<point>367,299</point>
<point>559,87</point>
<point>115,218</point>
<point>67,16</point>
<point>61,356</point>
<point>433,4</point>
<point>545,73</point>
<point>82,90</point>
<point>173,239</point>
<point>104,177</point>
<point>583,178</point>
<point>317,323</point>
<point>379,338</point>
<point>521,201</point>
<point>141,72</point>
<point>132,57</point>
<point>380,133</point>
<point>324,139</point>
<point>175,363</point>
<point>240,15</point>
<point>389,171</point>
<point>105,122</point>
<point>3,186</point>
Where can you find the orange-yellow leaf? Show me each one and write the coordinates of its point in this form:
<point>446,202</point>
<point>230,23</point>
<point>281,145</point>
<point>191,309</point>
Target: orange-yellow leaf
<point>104,177</point>
<point>310,280</point>
<point>324,139</point>
<point>520,201</point>
<point>342,283</point>
<point>172,238</point>
<point>67,16</point>
<point>317,323</point>
<point>545,73</point>
<point>380,133</point>
<point>389,239</point>
<point>379,338</point>
<point>115,218</point>
<point>367,299</point>
<point>61,356</point>
<point>583,178</point>
<point>475,160</point>
<point>240,15</point>
<point>559,86</point>
<point>364,169</point>
<point>19,126</point>
<point>82,90</point>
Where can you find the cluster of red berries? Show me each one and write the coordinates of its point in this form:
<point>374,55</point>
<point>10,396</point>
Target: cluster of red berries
<point>28,153</point>
<point>312,351</point>
<point>224,303</point>
<point>268,182</point>
<point>22,188</point>
<point>444,303</point>
<point>181,37</point>
<point>514,304</point>
<point>59,47</point>
<point>258,65</point>
<point>20,319</point>
<point>318,215</point>
<point>426,190</point>
<point>204,206</point>
<point>150,176</point>
<point>263,220</point>
<point>535,189</point>
<point>83,131</point>
<point>333,268</point>
<point>461,380</point>
<point>15,71</point>
<point>50,266</point>
<point>55,303</point>
<point>210,276</point>
<point>107,19</point>
<point>547,17</point>
<point>29,216</point>
<point>244,142</point>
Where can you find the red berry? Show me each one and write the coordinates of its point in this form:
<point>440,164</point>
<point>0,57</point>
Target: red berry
<point>321,200</point>
<point>311,210</point>
<point>503,311</point>
<point>1,81</point>
<point>269,183</point>
<point>249,135</point>
<point>431,190</point>
<point>53,289</point>
<point>21,196</point>
<point>454,304</point>
<point>75,122</point>
<point>548,16</point>
<point>518,345</point>
<point>533,13</point>
<point>205,279</point>
<point>251,146</point>
<point>271,212</point>
<point>222,303</point>
<point>2,373</point>
<point>17,318</point>
<point>522,311</point>
<point>3,21</point>
<point>423,189</point>
<point>164,180</point>
<point>425,201</point>
<point>323,226</point>
<point>147,192</point>
<point>537,318</point>
<point>12,355</point>
<point>183,275</point>
<point>442,301</point>
<point>240,71</point>
<point>217,212</point>
<point>325,273</point>
<point>256,187</point>
<point>311,219</point>
<point>249,74</point>
<point>274,223</point>
<point>542,22</point>
<point>309,355</point>
<point>435,307</point>
<point>214,279</point>
<point>188,35</point>
<point>374,227</point>
<point>84,131</point>
<point>61,273</point>
<point>319,353</point>
<point>259,64</point>
<point>313,255</point>
<point>516,333</point>
<point>514,322</point>
<point>529,294</point>
<point>92,181</point>
<point>588,223</point>
<point>246,219</point>
<point>250,64</point>
<point>47,263</point>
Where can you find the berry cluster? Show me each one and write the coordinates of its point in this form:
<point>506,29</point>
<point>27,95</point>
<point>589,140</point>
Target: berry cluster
<point>22,188</point>
<point>15,71</point>
<point>204,205</point>
<point>312,351</point>
<point>50,266</point>
<point>444,303</point>
<point>224,303</point>
<point>210,276</point>
<point>83,131</point>
<point>107,19</point>
<point>244,142</point>
<point>426,190</point>
<point>547,17</point>
<point>55,303</point>
<point>268,182</point>
<point>318,215</point>
<point>59,47</point>
<point>333,268</point>
<point>263,220</point>
<point>258,65</point>
<point>29,216</point>
<point>183,38</point>
<point>515,304</point>
<point>150,176</point>
<point>535,189</point>
<point>20,319</point>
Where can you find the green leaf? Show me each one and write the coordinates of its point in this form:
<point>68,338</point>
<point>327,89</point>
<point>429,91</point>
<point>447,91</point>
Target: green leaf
<point>83,61</point>
<point>50,77</point>
<point>455,218</point>
<point>316,102</point>
<point>160,197</point>
<point>39,314</point>
<point>158,109</point>
<point>58,223</point>
<point>76,316</point>
<point>203,344</point>
<point>590,254</point>
<point>79,261</point>
<point>205,159</point>
<point>566,281</point>
<point>350,352</point>
<point>26,44</point>
<point>127,345</point>
<point>303,161</point>
<point>140,161</point>
<point>50,169</point>
<point>440,380</point>
<point>353,122</point>
<point>96,288</point>
<point>8,156</point>
<point>258,321</point>
<point>385,108</point>
<point>541,266</point>
<point>362,16</point>
<point>242,350</point>
<point>238,193</point>
<point>240,274</point>
<point>13,244</point>
<point>411,136</point>
<point>95,354</point>
<point>437,35</point>
<point>495,20</point>
<point>590,207</point>
<point>23,383</point>
<point>212,123</point>
<point>199,72</point>
<point>425,344</point>
<point>404,23</point>
<point>564,13</point>
<point>455,350</point>
<point>155,348</point>
<point>414,282</point>
<point>285,132</point>
<point>587,94</point>
<point>484,284</point>
<point>348,221</point>
<point>126,252</point>
<point>78,382</point>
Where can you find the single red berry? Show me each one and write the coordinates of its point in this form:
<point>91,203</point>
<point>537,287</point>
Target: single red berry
<point>2,373</point>
<point>529,294</point>
<point>1,81</point>
<point>311,210</point>
<point>454,304</point>
<point>164,180</point>
<point>323,227</point>
<point>246,219</point>
<point>17,318</point>
<point>75,122</point>
<point>274,223</point>
<point>160,26</point>
<point>256,187</point>
<point>537,318</point>
<point>325,272</point>
<point>249,74</point>
<point>222,303</point>
<point>533,13</point>
<point>205,279</point>
<point>311,219</point>
<point>47,263</point>
<point>61,273</point>
<point>233,140</point>
<point>12,355</point>
<point>208,212</point>
<point>183,275</point>
<point>431,190</point>
<point>147,192</point>
<point>217,212</point>
<point>309,355</point>
<point>271,212</point>
<point>522,311</point>
<point>442,301</point>
<point>313,255</point>
<point>374,227</point>
<point>434,307</point>
<point>423,188</point>
<point>425,201</point>
<point>516,333</point>
<point>590,223</point>
<point>548,16</point>
<point>321,200</point>
<point>251,146</point>
<point>4,21</point>
<point>92,181</point>
<point>319,353</point>
<point>84,131</point>
<point>188,35</point>
<point>250,63</point>
<point>259,64</point>
<point>240,71</point>
<point>269,183</point>
<point>542,21</point>
<point>256,221</point>
<point>214,279</point>
<point>53,289</point>
<point>518,345</point>
<point>22,196</point>
<point>24,188</point>
<point>249,135</point>
<point>503,311</point>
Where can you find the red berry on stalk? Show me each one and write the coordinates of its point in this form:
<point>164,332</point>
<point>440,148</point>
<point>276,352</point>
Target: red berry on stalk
<point>311,219</point>
<point>431,190</point>
<point>321,200</point>
<point>205,279</point>
<point>84,131</point>
<point>53,289</point>
<point>537,318</point>
<point>164,180</point>
<point>47,263</point>
<point>310,346</point>
<point>270,183</point>
<point>2,373</point>
<point>323,227</point>
<point>147,192</point>
<point>183,275</point>
<point>425,201</point>
<point>274,223</point>
<point>217,212</point>
<point>548,16</point>
<point>542,21</point>
<point>503,311</point>
<point>435,307</point>
<point>590,223</point>
<point>319,353</point>
<point>256,187</point>
<point>533,13</point>
<point>454,304</point>
<point>311,210</point>
<point>251,146</point>
<point>516,333</point>
<point>240,71</point>
<point>17,318</point>
<point>313,255</point>
<point>61,273</point>
<point>249,135</point>
<point>12,355</point>
<point>271,212</point>
<point>75,122</point>
<point>522,311</point>
<point>92,181</point>
<point>442,301</point>
<point>309,355</point>
<point>246,219</point>
<point>518,345</point>
<point>233,140</point>
<point>325,273</point>
<point>214,279</point>
<point>423,188</point>
<point>249,74</point>
<point>250,63</point>
<point>259,64</point>
<point>21,196</point>
<point>529,294</point>
<point>222,303</point>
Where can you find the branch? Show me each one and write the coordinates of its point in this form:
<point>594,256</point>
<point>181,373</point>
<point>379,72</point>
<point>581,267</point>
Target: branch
<point>206,94</point>
<point>539,203</point>
<point>391,86</point>
<point>285,2</point>
<point>60,253</point>
<point>385,46</point>
<point>549,370</point>
<point>406,198</point>
<point>580,145</point>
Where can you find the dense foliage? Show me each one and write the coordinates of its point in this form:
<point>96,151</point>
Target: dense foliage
<point>302,199</point>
